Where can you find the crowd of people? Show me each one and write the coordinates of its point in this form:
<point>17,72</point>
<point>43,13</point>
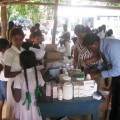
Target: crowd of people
<point>25,84</point>
<point>13,64</point>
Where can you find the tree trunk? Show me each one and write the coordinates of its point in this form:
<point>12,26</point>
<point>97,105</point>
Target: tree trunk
<point>3,22</point>
<point>55,22</point>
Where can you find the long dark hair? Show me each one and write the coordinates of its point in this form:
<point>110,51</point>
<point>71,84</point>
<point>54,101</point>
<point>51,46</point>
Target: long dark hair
<point>28,60</point>
<point>14,32</point>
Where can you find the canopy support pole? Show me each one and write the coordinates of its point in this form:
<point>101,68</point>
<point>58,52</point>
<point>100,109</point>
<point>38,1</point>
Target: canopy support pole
<point>3,21</point>
<point>55,22</point>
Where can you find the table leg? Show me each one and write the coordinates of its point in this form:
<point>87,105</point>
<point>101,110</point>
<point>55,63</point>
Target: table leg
<point>43,117</point>
<point>95,116</point>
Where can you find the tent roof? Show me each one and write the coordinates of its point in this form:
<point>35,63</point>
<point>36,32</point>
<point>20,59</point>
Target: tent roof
<point>33,2</point>
<point>20,2</point>
<point>43,1</point>
<point>110,1</point>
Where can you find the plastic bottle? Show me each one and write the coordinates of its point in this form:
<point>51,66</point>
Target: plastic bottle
<point>88,77</point>
<point>60,94</point>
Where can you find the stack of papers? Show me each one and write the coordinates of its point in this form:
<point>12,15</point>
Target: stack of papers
<point>38,52</point>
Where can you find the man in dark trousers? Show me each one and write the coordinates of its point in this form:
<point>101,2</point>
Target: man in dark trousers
<point>109,51</point>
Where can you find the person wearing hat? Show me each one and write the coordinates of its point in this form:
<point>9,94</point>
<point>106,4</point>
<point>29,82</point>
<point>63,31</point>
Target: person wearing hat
<point>109,51</point>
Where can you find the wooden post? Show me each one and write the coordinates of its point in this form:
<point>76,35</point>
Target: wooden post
<point>3,21</point>
<point>55,22</point>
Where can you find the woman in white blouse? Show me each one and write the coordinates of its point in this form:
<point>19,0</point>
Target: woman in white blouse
<point>12,65</point>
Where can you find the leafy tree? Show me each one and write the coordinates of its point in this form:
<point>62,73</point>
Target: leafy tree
<point>26,11</point>
<point>113,4</point>
<point>35,13</point>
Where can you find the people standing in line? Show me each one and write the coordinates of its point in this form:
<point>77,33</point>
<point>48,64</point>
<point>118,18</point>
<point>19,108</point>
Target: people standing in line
<point>111,68</point>
<point>10,28</point>
<point>4,44</point>
<point>65,40</point>
<point>29,86</point>
<point>12,65</point>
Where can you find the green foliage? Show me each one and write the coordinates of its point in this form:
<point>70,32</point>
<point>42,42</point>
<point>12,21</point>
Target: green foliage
<point>65,1</point>
<point>113,4</point>
<point>33,12</point>
<point>25,11</point>
<point>45,1</point>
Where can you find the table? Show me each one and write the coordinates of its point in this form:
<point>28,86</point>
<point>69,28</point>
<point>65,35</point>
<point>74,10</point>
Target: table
<point>77,106</point>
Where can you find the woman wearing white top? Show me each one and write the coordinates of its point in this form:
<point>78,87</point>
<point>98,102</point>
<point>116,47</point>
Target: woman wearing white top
<point>28,88</point>
<point>12,65</point>
<point>4,44</point>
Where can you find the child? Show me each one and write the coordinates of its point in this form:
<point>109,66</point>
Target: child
<point>37,47</point>
<point>26,86</point>
<point>38,38</point>
<point>4,44</point>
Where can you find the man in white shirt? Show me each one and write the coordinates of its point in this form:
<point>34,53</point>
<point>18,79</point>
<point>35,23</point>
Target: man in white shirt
<point>65,40</point>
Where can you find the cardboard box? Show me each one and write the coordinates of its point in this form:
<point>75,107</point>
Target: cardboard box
<point>81,90</point>
<point>53,55</point>
<point>49,61</point>
<point>88,92</point>
<point>51,47</point>
<point>76,90</point>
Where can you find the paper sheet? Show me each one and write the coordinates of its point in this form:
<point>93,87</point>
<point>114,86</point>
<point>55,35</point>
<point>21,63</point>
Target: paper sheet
<point>38,52</point>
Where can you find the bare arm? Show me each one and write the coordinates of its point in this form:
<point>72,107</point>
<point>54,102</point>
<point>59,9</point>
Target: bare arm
<point>43,90</point>
<point>75,57</point>
<point>8,73</point>
<point>1,67</point>
<point>16,93</point>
